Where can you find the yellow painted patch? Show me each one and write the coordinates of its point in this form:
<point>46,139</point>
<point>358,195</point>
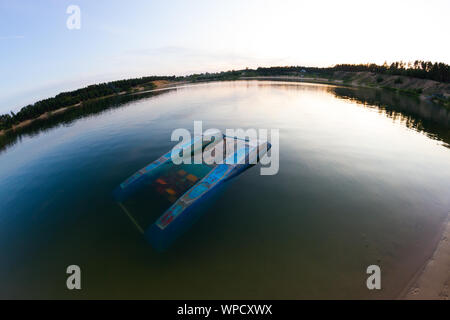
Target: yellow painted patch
<point>191,177</point>
<point>161,181</point>
<point>170,191</point>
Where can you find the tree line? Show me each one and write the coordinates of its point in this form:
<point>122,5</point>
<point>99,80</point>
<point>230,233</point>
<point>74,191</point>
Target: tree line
<point>437,71</point>
<point>66,99</point>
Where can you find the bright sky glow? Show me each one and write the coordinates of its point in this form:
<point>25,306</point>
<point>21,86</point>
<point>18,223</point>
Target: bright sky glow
<point>40,57</point>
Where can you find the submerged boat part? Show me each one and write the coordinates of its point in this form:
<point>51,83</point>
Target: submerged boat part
<point>188,187</point>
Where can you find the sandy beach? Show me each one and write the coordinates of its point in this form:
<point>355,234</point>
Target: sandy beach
<point>432,282</point>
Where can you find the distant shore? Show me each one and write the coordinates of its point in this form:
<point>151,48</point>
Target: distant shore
<point>423,88</point>
<point>159,84</point>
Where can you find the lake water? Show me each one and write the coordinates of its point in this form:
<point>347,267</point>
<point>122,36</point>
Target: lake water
<point>364,179</point>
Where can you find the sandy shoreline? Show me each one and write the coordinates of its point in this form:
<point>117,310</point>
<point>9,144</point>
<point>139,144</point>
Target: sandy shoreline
<point>432,282</point>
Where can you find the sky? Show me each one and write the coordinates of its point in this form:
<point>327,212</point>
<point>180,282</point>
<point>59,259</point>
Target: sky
<point>117,39</point>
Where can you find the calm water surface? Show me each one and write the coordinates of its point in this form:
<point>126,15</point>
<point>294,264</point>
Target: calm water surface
<point>359,183</point>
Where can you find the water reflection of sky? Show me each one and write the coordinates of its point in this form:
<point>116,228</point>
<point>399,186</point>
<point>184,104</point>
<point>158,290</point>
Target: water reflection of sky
<point>354,188</point>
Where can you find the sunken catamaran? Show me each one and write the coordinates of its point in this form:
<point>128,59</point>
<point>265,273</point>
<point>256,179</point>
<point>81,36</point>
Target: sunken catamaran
<point>186,187</point>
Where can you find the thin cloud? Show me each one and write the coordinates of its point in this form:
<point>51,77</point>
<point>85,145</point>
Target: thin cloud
<point>11,37</point>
